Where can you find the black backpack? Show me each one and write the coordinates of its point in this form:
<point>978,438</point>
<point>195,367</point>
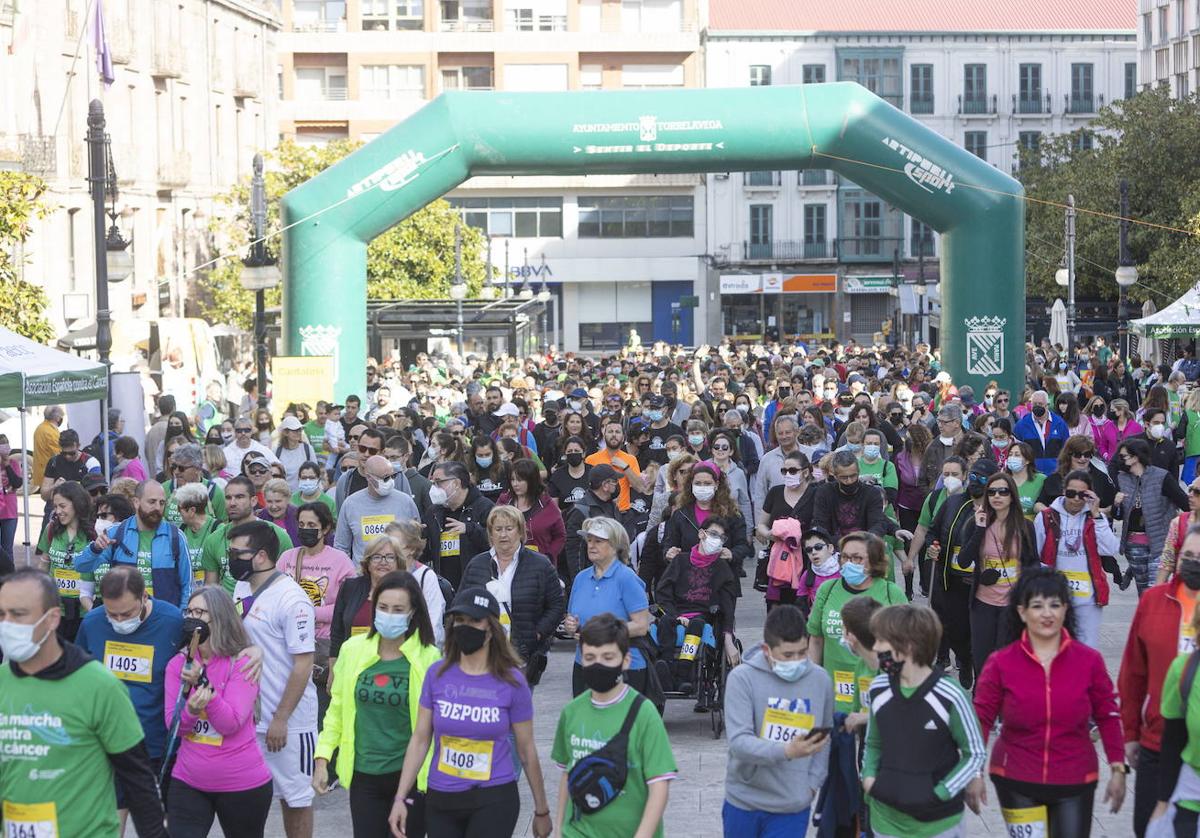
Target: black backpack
<point>443,583</point>
<point>598,778</point>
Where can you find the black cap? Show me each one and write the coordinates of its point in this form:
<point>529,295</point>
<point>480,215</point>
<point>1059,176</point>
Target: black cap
<point>656,400</point>
<point>601,473</point>
<point>475,602</point>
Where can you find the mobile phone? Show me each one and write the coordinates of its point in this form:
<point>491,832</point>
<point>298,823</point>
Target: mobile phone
<point>818,732</point>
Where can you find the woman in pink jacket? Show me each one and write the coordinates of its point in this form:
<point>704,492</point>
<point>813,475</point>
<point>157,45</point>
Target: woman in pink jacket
<point>1103,429</point>
<point>220,771</point>
<point>1049,688</point>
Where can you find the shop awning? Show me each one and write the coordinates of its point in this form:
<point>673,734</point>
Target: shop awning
<point>1181,319</point>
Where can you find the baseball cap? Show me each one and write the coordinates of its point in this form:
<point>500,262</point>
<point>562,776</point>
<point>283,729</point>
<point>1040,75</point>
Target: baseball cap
<point>601,473</point>
<point>579,393</point>
<point>475,602</point>
<point>290,423</point>
<point>507,409</point>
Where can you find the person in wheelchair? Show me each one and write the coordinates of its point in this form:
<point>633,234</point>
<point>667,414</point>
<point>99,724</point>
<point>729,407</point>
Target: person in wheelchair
<point>696,595</point>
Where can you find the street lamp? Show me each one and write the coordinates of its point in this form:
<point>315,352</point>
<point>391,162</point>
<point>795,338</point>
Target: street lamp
<point>1065,275</point>
<point>458,285</point>
<point>543,297</point>
<point>259,272</point>
<point>1126,274</point>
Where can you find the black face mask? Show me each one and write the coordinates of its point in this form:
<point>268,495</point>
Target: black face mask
<point>848,490</point>
<point>600,678</point>
<point>191,625</point>
<point>1189,572</point>
<point>309,536</point>
<point>575,459</point>
<point>889,666</point>
<point>240,569</point>
<point>1098,411</point>
<point>469,639</point>
<point>1039,410</point>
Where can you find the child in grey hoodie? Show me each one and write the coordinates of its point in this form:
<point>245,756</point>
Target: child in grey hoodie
<point>772,703</point>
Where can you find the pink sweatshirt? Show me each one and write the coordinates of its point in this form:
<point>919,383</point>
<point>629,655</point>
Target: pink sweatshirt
<point>220,751</point>
<point>320,576</point>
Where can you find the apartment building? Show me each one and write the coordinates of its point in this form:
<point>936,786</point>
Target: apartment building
<point>192,101</point>
<point>1169,45</point>
<point>810,253</point>
<point>616,252</point>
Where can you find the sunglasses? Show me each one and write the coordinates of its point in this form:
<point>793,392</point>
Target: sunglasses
<point>1083,455</point>
<point>1075,494</point>
<point>257,470</point>
<point>1194,491</point>
<point>721,448</point>
<point>815,548</point>
<point>999,492</point>
<point>242,430</point>
<point>368,449</point>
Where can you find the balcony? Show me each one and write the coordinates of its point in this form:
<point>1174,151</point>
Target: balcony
<point>37,154</point>
<point>761,180</point>
<point>175,169</point>
<point>383,24</point>
<point>323,26</point>
<point>1082,104</point>
<point>466,25</point>
<point>869,249</point>
<point>168,60</point>
<point>778,251</point>
<point>523,20</point>
<point>334,93</point>
<point>1031,104</point>
<point>977,105</point>
<point>921,104</point>
<point>817,177</point>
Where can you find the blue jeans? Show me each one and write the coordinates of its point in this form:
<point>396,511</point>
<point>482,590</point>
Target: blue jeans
<point>1189,469</point>
<point>742,824</point>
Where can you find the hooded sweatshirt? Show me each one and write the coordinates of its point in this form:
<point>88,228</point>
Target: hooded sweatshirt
<point>759,777</point>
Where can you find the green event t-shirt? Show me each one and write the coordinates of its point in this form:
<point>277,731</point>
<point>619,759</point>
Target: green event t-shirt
<point>298,501</point>
<point>1172,708</point>
<point>216,503</point>
<point>382,724</point>
<point>54,765</point>
<point>315,433</point>
<point>1028,493</point>
<point>195,542</point>
<point>929,509</point>
<point>825,621</point>
<point>584,728</point>
<point>61,552</point>
<point>881,473</point>
<point>863,676</point>
<point>214,556</point>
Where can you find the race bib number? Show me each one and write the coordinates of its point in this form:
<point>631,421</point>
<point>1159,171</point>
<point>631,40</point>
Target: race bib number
<point>357,630</point>
<point>67,581</point>
<point>203,733</point>
<point>374,526</point>
<point>129,661</point>
<point>843,686</point>
<point>785,725</point>
<point>532,547</point>
<point>690,647</point>
<point>465,758</point>
<point>864,687</point>
<point>30,820</point>
<point>1187,638</point>
<point>954,563</point>
<point>450,544</point>
<point>1080,583</point>
<point>1007,568</point>
<point>1025,823</point>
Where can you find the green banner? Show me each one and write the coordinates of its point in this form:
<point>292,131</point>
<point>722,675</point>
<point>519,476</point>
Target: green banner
<point>842,126</point>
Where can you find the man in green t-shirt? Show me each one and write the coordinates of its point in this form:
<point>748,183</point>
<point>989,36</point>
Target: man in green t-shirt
<point>595,717</point>
<point>239,504</point>
<point>61,754</point>
<point>186,467</point>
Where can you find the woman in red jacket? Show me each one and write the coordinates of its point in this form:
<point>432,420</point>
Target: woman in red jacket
<point>1048,688</point>
<point>544,528</point>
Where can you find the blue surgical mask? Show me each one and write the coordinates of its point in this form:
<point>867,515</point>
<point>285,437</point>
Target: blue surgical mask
<point>483,462</point>
<point>391,626</point>
<point>309,486</point>
<point>853,447</point>
<point>854,574</point>
<point>654,415</point>
<point>790,670</point>
<point>871,451</point>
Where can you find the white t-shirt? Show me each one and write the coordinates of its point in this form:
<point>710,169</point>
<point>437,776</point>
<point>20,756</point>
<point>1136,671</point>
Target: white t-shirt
<point>282,623</point>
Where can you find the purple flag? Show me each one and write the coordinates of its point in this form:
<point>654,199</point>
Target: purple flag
<point>104,65</point>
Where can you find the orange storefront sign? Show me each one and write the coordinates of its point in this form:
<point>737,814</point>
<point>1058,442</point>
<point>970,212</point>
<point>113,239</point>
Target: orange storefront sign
<point>810,284</point>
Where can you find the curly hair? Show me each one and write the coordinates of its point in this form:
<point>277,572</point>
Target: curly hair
<point>722,504</point>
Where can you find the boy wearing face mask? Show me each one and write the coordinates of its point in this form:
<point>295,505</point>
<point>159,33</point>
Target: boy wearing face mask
<point>773,704</point>
<point>593,719</point>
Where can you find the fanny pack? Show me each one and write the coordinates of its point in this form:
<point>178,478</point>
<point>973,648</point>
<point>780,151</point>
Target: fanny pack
<point>598,778</point>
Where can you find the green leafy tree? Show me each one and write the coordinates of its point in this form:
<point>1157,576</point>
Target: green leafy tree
<point>413,260</point>
<point>22,304</point>
<point>1151,140</point>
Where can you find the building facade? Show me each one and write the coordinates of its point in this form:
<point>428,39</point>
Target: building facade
<point>1169,45</point>
<point>809,253</point>
<point>192,101</point>
<point>617,253</point>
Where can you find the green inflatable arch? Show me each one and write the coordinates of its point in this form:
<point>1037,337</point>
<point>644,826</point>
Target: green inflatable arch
<point>978,210</point>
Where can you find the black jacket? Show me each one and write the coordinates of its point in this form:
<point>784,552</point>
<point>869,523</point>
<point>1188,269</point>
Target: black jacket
<point>537,598</point>
<point>675,584</point>
<point>683,532</point>
<point>868,509</point>
<point>473,513</point>
<point>972,551</point>
<point>350,597</point>
<point>575,551</point>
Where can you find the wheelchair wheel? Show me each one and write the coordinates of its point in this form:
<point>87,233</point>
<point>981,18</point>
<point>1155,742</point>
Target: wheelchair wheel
<point>717,706</point>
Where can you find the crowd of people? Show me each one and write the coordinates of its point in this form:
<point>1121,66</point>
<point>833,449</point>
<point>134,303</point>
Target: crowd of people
<point>264,603</point>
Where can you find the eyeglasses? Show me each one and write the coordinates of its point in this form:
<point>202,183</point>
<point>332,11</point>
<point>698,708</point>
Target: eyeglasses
<point>384,558</point>
<point>242,430</point>
<point>1194,491</point>
<point>177,467</point>
<point>815,548</point>
<point>999,492</point>
<point>458,434</point>
<point>195,612</point>
<point>368,449</point>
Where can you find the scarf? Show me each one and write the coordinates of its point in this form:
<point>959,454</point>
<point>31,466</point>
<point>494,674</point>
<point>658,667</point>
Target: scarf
<point>698,559</point>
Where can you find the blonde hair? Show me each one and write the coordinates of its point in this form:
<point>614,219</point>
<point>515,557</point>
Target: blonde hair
<point>379,545</point>
<point>509,515</point>
<point>275,486</point>
<point>409,533</point>
<point>613,532</point>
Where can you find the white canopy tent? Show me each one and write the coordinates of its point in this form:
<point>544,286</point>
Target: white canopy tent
<point>32,374</point>
<point>1181,319</point>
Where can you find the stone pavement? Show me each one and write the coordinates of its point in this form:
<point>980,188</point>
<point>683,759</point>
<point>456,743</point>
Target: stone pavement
<point>694,810</point>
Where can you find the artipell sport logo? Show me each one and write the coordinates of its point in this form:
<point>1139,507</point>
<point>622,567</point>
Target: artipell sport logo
<point>921,170</point>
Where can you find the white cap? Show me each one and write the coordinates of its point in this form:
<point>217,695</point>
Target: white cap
<point>507,409</point>
<point>290,423</point>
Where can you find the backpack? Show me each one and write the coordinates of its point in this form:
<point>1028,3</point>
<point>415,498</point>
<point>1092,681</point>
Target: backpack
<point>123,527</point>
<point>598,778</point>
<point>308,451</point>
<point>443,583</point>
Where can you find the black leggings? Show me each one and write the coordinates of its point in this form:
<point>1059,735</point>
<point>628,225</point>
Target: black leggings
<point>1068,817</point>
<point>371,797</point>
<point>953,605</point>
<point>989,632</point>
<point>490,812</point>
<point>243,814</point>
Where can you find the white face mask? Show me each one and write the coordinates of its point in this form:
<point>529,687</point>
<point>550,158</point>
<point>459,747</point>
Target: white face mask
<point>437,495</point>
<point>703,492</point>
<point>711,545</point>
<point>952,485</point>
<point>946,440</point>
<point>1158,431</point>
<point>382,488</point>
<point>16,640</point>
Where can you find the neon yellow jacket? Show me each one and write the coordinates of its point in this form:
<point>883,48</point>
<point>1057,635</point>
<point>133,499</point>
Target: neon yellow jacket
<point>358,653</point>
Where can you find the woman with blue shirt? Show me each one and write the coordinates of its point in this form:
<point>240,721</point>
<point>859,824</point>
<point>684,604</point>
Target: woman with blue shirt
<point>611,586</point>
